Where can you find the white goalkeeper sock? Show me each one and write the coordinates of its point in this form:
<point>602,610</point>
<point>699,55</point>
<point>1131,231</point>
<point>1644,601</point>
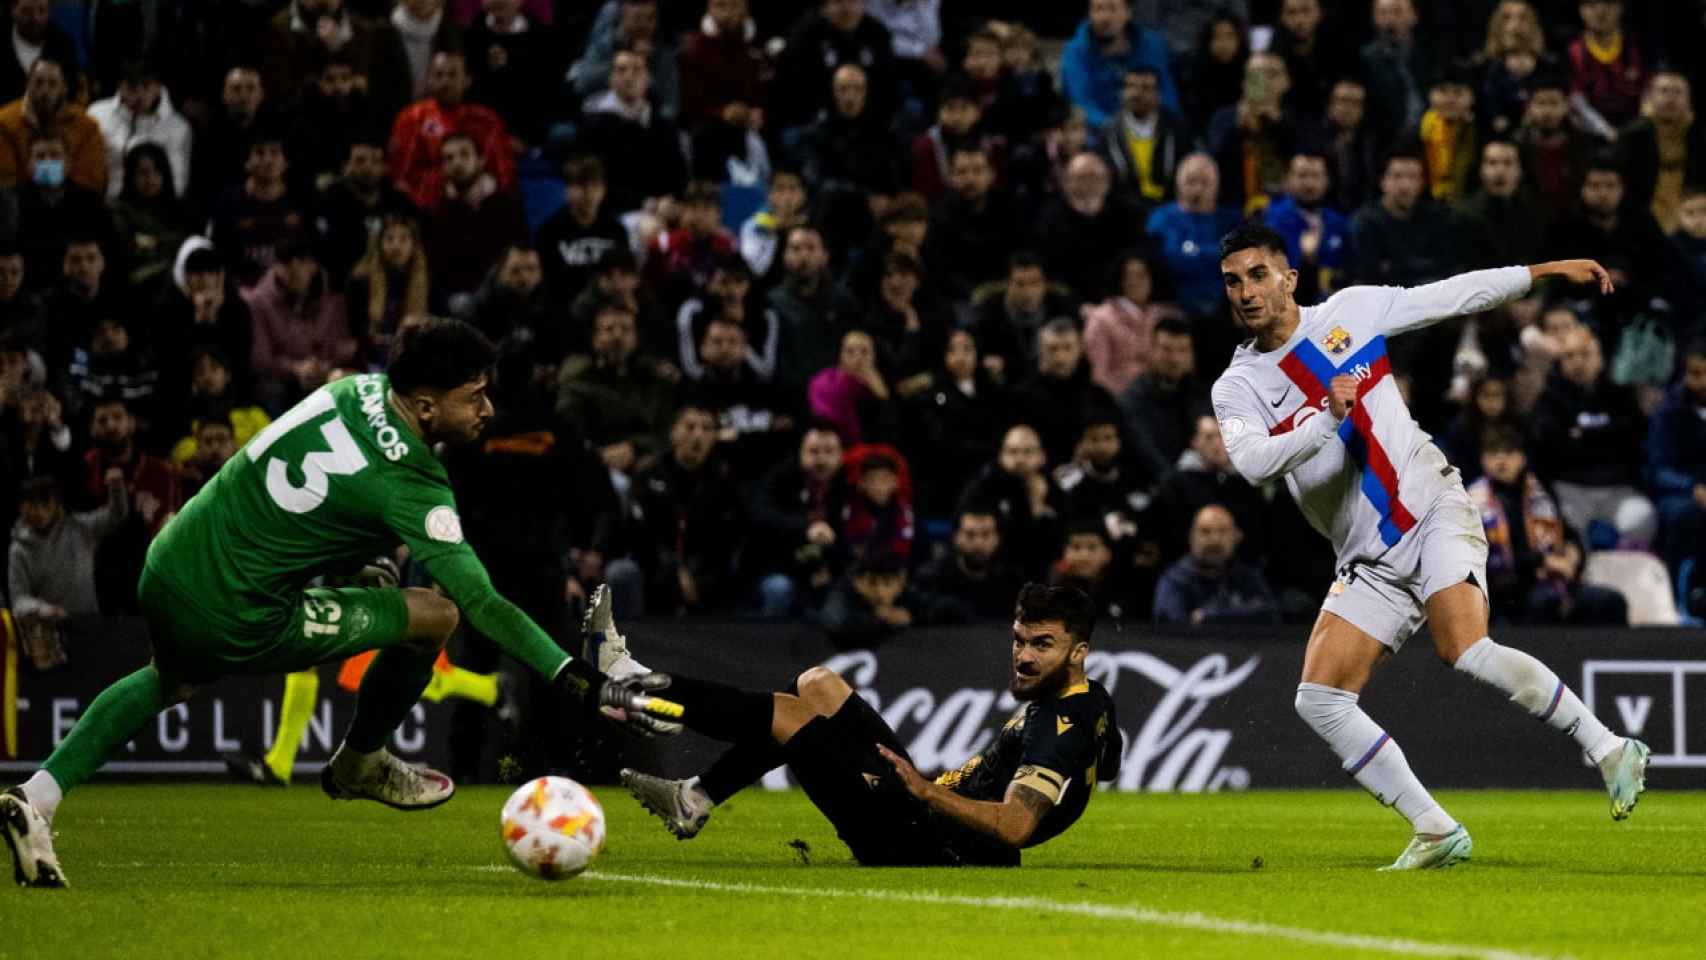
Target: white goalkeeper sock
<point>43,793</point>
<point>1534,686</point>
<point>1370,755</point>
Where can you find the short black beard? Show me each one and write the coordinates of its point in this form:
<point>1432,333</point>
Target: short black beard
<point>1049,686</point>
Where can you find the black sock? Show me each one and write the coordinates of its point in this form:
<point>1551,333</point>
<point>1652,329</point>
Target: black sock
<point>724,712</point>
<point>741,765</point>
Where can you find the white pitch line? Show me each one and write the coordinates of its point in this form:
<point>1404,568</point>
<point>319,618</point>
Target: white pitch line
<point>1135,914</point>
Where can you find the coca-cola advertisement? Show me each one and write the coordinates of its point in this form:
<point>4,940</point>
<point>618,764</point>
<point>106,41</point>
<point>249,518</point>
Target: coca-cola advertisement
<point>1199,710</point>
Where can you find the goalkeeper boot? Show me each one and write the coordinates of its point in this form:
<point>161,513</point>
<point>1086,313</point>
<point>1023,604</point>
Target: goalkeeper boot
<point>31,840</point>
<point>1625,772</point>
<point>602,645</point>
<point>252,769</point>
<point>681,804</point>
<point>383,777</point>
<point>1429,851</point>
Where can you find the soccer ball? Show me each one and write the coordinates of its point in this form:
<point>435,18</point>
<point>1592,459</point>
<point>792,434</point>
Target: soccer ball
<point>553,828</point>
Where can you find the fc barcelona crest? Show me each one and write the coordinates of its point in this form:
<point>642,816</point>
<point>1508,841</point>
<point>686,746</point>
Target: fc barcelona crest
<point>1338,341</point>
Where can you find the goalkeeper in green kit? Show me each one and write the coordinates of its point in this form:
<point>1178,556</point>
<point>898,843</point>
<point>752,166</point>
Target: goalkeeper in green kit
<point>342,476</point>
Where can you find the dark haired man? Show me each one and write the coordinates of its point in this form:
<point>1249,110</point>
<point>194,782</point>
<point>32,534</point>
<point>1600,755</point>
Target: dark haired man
<point>1030,785</point>
<point>341,477</point>
<point>1311,398</point>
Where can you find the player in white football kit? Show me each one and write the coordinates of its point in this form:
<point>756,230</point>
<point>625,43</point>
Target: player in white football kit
<point>1312,399</point>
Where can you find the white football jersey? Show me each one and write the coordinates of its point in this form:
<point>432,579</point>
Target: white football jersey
<point>1362,483</point>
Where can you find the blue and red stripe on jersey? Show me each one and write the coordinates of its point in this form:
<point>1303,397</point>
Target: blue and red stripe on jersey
<point>1312,371</point>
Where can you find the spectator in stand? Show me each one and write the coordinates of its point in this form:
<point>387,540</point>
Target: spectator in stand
<point>1082,231</point>
<point>425,28</point>
<point>1489,406</point>
<point>1502,221</point>
<point>916,26</point>
<point>1403,239</point>
<point>1088,562</point>
<point>212,396</point>
<point>307,29</point>
<point>640,147</point>
<point>952,420</point>
<point>978,222</point>
<point>110,363</point>
<point>1210,585</point>
<point>1395,69</point>
<point>23,316</point>
<point>1317,237</point>
<point>512,61</point>
<point>52,211</point>
<point>812,310</point>
<point>1019,95</point>
<point>212,444</point>
<point>1515,49</point>
<point>1119,332</point>
<point>1619,235</point>
<point>1253,138</point>
<point>728,297</point>
<point>795,547</point>
<point>726,80</point>
<point>1144,143</point>
<point>1060,394</point>
<point>616,397</point>
<point>1591,433</point>
<point>1607,70</point>
<point>971,582</point>
<point>420,131</point>
<point>1555,154</point>
<point>838,34</point>
<point>1105,47</point>
<point>904,320</point>
<point>1104,484</point>
<point>199,309</point>
<point>1534,561</point>
<point>470,224</point>
<point>34,37</point>
<point>1009,318</point>
<point>301,330</point>
<point>688,510</point>
<point>848,151</point>
<point>574,239</point>
<point>1214,72</point>
<point>221,146</point>
<point>149,222</point>
<point>1350,146</point>
<point>1203,475</point>
<point>1017,489</point>
<point>154,491</point>
<point>84,296</point>
<point>1664,149</point>
<point>1161,406</point>
<point>251,220</point>
<point>141,112</point>
<point>871,604</point>
<point>682,260</point>
<point>852,395</point>
<point>1187,234</point>
<point>630,24</point>
<point>618,278</point>
<point>1676,466</point>
<point>533,336</point>
<point>39,442</point>
<point>51,569</point>
<point>332,115</point>
<point>761,235</point>
<point>1688,246</point>
<point>48,108</point>
<point>390,287</point>
<point>1182,22</point>
<point>1315,58</point>
<point>352,209</point>
<point>754,422</point>
<point>958,124</point>
<point>1448,136</point>
<point>878,516</point>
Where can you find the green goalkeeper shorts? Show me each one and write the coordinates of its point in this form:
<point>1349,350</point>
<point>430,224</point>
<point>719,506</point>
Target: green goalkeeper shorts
<point>325,624</point>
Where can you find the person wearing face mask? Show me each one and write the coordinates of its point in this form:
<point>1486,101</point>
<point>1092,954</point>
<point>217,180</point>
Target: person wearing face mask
<point>51,211</point>
<point>142,112</point>
<point>45,107</point>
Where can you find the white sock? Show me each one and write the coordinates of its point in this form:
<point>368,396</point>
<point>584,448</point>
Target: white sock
<point>1370,755</point>
<point>1533,686</point>
<point>43,793</point>
<point>624,667</point>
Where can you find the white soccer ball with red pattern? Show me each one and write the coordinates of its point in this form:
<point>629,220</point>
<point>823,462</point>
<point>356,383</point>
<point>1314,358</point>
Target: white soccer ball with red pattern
<point>553,828</point>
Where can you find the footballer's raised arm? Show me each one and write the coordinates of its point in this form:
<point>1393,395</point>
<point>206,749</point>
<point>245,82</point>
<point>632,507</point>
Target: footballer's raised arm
<point>1413,307</point>
<point>1257,456</point>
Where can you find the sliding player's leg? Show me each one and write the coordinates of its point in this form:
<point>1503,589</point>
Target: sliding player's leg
<point>1337,664</point>
<point>1457,616</point>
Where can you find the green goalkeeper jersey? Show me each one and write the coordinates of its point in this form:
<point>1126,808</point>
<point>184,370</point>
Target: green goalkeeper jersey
<point>335,481</point>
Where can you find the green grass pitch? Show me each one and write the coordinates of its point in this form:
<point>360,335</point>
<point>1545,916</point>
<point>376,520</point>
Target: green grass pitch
<point>230,871</point>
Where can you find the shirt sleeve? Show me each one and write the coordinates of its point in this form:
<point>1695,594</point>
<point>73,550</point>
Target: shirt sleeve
<point>1410,308</point>
<point>1257,457</point>
<point>1058,747</point>
<point>423,515</point>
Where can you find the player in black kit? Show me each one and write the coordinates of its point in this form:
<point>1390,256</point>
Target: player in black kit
<point>1031,784</point>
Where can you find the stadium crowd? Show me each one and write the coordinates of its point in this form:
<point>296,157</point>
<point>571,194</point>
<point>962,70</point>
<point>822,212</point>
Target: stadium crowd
<point>861,311</point>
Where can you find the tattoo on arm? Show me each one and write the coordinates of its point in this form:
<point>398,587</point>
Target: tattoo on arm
<point>1034,801</point>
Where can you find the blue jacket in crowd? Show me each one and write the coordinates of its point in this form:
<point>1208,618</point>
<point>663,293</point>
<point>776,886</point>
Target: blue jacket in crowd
<point>1676,445</point>
<point>1190,244</point>
<point>1093,81</point>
